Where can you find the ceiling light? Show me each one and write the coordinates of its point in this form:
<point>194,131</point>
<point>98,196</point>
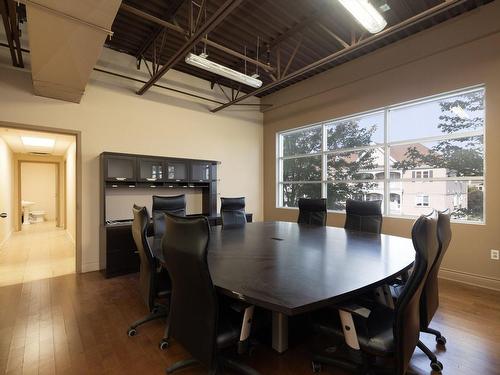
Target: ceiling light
<point>38,142</point>
<point>460,112</point>
<point>202,62</point>
<point>366,14</point>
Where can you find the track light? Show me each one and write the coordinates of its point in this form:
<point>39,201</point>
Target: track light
<point>366,14</point>
<point>202,62</point>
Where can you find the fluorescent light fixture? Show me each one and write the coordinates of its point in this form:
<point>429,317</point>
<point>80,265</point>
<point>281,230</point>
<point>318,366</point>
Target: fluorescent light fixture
<point>366,14</point>
<point>38,142</point>
<point>202,62</point>
<point>460,112</point>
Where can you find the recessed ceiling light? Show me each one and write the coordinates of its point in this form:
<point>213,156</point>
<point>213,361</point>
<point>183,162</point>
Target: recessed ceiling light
<point>366,14</point>
<point>38,142</point>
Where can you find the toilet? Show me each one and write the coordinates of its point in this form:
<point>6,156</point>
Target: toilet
<point>37,216</point>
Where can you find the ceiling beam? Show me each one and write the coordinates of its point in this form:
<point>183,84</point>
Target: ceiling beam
<point>448,4</point>
<point>179,29</point>
<point>172,8</point>
<point>11,25</point>
<point>204,29</point>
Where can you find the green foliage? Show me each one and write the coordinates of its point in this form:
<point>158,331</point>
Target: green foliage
<point>345,134</point>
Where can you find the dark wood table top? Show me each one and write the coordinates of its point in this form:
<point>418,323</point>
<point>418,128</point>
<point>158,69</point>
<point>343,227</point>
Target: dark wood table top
<point>291,268</point>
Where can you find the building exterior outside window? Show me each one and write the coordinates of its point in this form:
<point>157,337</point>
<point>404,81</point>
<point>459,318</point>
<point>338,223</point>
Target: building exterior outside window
<point>424,154</point>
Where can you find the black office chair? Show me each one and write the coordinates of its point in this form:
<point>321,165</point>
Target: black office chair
<point>175,204</point>
<point>363,216</point>
<point>312,211</point>
<point>154,282</point>
<point>382,331</point>
<point>232,212</point>
<point>196,320</point>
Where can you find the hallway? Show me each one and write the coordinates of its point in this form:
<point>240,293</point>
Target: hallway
<point>39,251</point>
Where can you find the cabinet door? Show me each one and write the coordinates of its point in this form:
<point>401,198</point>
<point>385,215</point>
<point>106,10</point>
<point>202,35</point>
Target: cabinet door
<point>200,171</point>
<point>176,171</point>
<point>150,169</point>
<point>120,168</point>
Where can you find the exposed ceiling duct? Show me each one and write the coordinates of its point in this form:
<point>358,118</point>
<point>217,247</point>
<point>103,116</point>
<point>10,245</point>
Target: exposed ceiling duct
<point>66,39</point>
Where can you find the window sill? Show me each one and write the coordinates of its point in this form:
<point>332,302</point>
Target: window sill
<point>408,217</point>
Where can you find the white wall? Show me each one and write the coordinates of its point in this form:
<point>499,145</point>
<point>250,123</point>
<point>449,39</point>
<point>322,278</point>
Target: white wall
<point>39,185</point>
<point>6,188</point>
<point>111,117</point>
<point>70,190</point>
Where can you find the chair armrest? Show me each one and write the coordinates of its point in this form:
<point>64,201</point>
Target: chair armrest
<point>355,309</point>
<point>150,230</point>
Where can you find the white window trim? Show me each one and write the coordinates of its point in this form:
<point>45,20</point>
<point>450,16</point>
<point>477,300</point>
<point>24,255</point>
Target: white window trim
<point>386,146</point>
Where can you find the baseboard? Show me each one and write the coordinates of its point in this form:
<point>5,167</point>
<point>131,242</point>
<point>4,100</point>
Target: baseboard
<point>89,267</point>
<point>6,239</point>
<point>470,279</point>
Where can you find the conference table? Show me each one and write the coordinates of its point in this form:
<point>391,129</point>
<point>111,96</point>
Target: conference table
<point>291,268</point>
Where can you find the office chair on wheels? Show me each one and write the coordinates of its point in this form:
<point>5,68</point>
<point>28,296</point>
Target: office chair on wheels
<point>232,212</point>
<point>429,301</point>
<point>197,320</point>
<point>382,331</point>
<point>175,204</point>
<point>363,216</point>
<point>154,282</point>
<point>312,211</point>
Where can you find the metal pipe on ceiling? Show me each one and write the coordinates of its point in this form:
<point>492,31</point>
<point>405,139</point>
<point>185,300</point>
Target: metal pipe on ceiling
<point>124,76</point>
<point>204,29</point>
<point>448,4</point>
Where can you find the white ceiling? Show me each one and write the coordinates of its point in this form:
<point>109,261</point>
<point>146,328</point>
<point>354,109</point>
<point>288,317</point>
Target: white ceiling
<point>13,139</point>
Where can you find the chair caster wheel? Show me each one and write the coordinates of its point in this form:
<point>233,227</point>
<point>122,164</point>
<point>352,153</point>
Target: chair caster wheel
<point>441,340</point>
<point>437,366</point>
<point>131,332</point>
<point>164,344</point>
<point>316,367</point>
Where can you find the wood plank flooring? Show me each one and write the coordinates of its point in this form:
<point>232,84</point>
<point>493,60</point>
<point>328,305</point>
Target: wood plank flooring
<point>76,324</point>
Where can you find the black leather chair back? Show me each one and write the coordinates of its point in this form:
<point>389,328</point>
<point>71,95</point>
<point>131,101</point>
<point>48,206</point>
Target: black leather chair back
<point>429,301</point>
<point>407,309</point>
<point>232,211</point>
<point>147,274</point>
<point>194,305</point>
<point>175,204</point>
<point>312,211</point>
<point>363,216</point>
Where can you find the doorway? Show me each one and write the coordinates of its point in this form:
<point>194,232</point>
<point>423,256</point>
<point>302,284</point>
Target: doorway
<point>39,184</point>
<point>39,191</point>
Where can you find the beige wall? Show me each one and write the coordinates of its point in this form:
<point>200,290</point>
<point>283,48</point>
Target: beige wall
<point>460,53</point>
<point>6,188</point>
<point>111,117</point>
<point>39,185</point>
<point>70,190</point>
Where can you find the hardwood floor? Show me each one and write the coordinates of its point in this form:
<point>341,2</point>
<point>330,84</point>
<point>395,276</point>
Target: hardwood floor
<point>76,324</point>
<point>37,252</point>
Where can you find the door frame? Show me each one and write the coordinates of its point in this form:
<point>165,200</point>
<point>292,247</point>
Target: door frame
<point>78,139</point>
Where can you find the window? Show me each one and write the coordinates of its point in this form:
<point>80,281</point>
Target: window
<point>422,200</point>
<point>424,154</point>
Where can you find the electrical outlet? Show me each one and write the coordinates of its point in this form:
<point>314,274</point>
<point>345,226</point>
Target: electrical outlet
<point>495,254</point>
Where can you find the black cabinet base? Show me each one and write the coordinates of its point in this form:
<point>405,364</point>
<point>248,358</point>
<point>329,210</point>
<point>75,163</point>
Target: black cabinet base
<point>120,256</point>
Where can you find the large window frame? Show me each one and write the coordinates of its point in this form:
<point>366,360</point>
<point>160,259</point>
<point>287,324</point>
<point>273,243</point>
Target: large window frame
<point>386,181</point>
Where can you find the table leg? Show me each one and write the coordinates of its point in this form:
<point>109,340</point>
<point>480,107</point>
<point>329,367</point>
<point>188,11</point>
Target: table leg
<point>280,332</point>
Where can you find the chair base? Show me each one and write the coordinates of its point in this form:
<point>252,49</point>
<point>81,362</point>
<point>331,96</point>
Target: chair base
<point>341,356</point>
<point>159,312</point>
<point>435,364</point>
<point>440,339</point>
<point>221,363</point>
